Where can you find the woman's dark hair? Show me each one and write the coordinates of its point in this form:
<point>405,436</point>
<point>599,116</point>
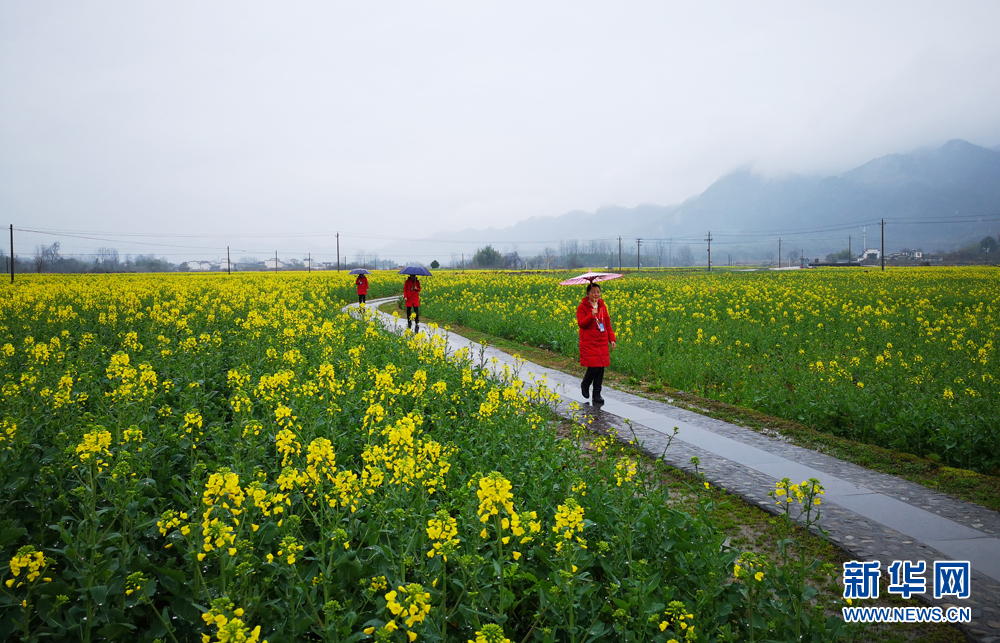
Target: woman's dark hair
<point>592,285</point>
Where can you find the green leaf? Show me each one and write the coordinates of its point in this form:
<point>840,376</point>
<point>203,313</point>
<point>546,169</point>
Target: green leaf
<point>11,534</point>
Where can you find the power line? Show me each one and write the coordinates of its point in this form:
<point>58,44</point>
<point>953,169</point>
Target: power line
<point>732,238</point>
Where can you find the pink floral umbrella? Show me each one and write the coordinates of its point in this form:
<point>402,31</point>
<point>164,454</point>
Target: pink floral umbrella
<point>590,277</point>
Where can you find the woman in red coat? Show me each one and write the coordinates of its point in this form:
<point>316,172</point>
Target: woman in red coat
<point>411,297</point>
<point>597,340</point>
<point>362,283</point>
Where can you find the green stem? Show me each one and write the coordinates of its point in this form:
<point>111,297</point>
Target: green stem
<point>165,625</point>
<point>569,596</point>
<point>499,549</point>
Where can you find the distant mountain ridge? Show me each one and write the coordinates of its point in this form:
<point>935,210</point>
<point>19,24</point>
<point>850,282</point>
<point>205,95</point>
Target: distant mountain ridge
<point>958,180</point>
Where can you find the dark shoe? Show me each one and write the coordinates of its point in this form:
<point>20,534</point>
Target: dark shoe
<point>584,391</point>
<point>598,399</point>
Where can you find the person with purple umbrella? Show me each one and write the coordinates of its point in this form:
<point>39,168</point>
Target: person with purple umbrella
<point>362,283</point>
<point>411,298</point>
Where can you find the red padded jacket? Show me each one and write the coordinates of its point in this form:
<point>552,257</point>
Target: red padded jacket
<point>411,291</point>
<point>594,344</point>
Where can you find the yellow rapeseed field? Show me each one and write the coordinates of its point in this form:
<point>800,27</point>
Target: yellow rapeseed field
<point>225,458</point>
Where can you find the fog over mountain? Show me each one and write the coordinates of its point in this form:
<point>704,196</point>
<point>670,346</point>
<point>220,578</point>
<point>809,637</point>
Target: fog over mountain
<point>747,212</point>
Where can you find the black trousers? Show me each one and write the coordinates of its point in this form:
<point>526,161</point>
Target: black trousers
<point>595,376</point>
<point>361,299</point>
<point>416,311</point>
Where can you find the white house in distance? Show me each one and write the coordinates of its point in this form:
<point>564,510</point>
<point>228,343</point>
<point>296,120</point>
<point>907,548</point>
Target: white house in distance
<point>199,265</point>
<point>270,263</point>
<point>871,253</point>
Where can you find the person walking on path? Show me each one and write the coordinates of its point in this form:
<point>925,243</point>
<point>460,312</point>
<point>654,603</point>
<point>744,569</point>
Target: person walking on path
<point>411,298</point>
<point>597,340</point>
<point>362,283</point>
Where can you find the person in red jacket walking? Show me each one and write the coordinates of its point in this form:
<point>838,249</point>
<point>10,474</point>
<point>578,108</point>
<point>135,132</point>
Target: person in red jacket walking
<point>411,297</point>
<point>597,340</point>
<point>362,283</point>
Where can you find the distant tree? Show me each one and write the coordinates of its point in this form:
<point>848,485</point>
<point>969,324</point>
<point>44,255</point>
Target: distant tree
<point>660,249</point>
<point>46,256</point>
<point>684,256</point>
<point>511,260</point>
<point>843,255</point>
<point>435,264</point>
<point>245,264</point>
<point>150,263</point>
<point>487,258</point>
<point>550,255</point>
<point>988,245</point>
<point>107,258</point>
<point>570,251</point>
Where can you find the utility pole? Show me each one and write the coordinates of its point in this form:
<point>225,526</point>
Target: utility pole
<point>638,254</point>
<point>229,263</point>
<point>864,239</point>
<point>310,262</point>
<point>12,253</point>
<point>670,253</point>
<point>779,252</point>
<point>709,239</point>
<point>463,262</point>
<point>338,252</point>
<point>848,248</point>
<point>883,245</point>
<point>619,254</point>
<point>276,261</point>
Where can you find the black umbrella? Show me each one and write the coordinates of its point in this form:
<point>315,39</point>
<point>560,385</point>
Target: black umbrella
<point>359,271</point>
<point>415,270</point>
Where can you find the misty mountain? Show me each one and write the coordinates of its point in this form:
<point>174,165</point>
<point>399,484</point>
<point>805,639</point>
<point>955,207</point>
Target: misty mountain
<point>608,221</point>
<point>956,181</point>
<point>747,212</point>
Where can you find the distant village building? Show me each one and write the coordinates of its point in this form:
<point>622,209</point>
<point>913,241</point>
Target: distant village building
<point>871,253</point>
<point>203,266</point>
<point>269,263</point>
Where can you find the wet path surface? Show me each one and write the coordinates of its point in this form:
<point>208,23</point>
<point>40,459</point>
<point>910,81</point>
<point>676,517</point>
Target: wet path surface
<point>873,516</point>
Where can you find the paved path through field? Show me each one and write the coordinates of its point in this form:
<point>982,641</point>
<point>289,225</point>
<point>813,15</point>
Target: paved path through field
<point>873,516</point>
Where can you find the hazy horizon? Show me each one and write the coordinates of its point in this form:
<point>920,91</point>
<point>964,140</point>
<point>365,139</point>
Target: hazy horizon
<point>402,121</point>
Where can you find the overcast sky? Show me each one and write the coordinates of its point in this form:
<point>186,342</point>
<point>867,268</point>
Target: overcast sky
<point>402,119</point>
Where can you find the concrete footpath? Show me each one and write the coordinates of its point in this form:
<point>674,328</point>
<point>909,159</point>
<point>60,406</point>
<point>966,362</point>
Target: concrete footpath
<point>873,516</point>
